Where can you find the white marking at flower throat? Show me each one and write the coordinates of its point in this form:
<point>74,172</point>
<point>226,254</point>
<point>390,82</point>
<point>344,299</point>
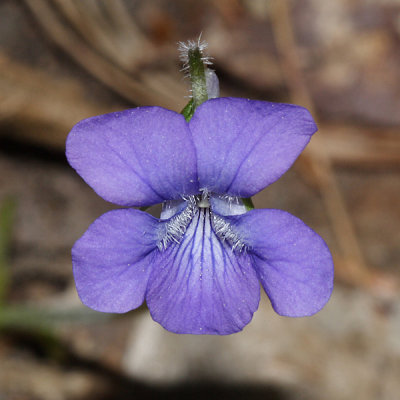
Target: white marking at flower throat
<point>175,227</point>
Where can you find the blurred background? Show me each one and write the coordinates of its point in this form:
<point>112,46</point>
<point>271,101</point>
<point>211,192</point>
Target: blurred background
<point>65,60</point>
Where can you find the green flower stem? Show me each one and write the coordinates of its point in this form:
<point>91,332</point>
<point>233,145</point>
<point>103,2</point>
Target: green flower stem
<point>197,76</point>
<point>34,318</point>
<point>7,214</point>
<point>188,111</point>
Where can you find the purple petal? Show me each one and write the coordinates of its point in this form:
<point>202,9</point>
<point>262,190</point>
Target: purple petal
<point>201,286</point>
<point>112,260</point>
<point>135,157</point>
<point>293,262</point>
<point>245,145</point>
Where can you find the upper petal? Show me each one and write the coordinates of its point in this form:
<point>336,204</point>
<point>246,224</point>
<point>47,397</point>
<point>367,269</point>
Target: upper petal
<point>292,261</point>
<point>245,145</point>
<point>200,285</point>
<point>135,157</point>
<point>112,260</point>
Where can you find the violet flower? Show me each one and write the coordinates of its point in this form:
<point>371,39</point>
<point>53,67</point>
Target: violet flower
<point>199,266</point>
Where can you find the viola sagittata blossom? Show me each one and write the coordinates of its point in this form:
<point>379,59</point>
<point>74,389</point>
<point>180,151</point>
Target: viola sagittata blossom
<point>198,267</point>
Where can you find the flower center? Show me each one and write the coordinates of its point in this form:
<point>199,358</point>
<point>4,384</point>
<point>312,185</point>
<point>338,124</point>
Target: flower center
<point>186,217</point>
<point>203,201</point>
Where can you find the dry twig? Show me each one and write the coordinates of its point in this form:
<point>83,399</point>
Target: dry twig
<point>39,104</point>
<point>353,266</point>
<point>135,89</point>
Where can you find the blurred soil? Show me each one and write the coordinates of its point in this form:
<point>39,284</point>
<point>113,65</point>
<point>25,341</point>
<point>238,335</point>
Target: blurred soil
<point>62,61</point>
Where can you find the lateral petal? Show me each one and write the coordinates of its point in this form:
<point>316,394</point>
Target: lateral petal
<point>136,157</point>
<point>112,260</point>
<point>293,262</point>
<point>245,145</point>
